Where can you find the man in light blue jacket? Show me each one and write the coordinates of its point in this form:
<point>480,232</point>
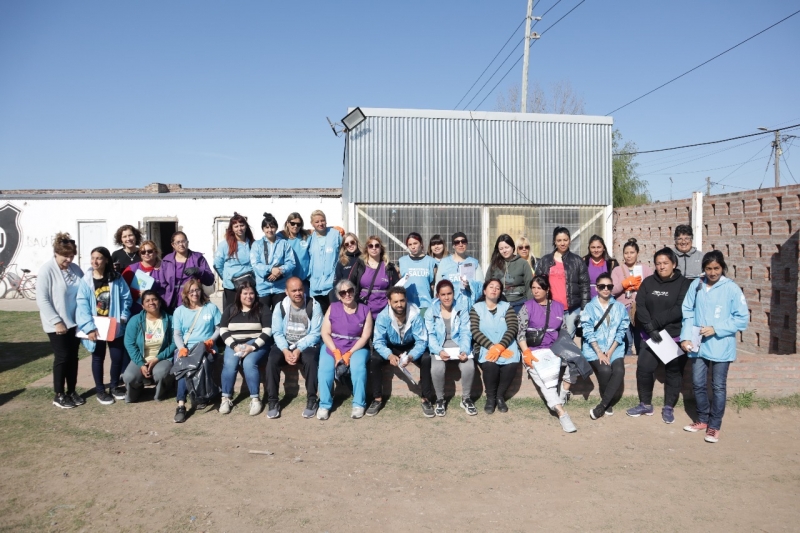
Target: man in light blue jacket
<point>714,310</point>
<point>324,252</point>
<point>399,339</point>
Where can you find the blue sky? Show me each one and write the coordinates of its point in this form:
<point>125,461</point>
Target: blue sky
<point>121,94</point>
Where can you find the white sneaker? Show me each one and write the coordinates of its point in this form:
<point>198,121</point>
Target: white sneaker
<point>323,414</point>
<point>225,406</point>
<point>566,423</point>
<point>357,412</point>
<point>255,406</point>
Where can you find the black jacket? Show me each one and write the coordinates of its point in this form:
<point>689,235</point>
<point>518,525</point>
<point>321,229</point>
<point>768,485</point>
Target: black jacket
<point>361,267</point>
<point>345,272</point>
<point>578,291</point>
<point>611,263</point>
<point>659,301</point>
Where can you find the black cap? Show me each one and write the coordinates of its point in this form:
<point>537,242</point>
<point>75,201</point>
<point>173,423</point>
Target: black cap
<point>458,234</point>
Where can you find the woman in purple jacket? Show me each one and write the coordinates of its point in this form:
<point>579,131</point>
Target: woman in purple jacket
<point>179,267</point>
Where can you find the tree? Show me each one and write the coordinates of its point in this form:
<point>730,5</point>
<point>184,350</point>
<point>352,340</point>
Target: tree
<point>629,189</point>
<point>562,100</point>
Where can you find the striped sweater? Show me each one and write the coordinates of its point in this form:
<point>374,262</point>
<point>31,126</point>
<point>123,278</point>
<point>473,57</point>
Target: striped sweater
<point>482,340</point>
<point>237,327</point>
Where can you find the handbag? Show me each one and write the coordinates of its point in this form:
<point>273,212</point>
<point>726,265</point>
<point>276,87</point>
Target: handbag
<point>244,278</point>
<point>365,299</point>
<point>182,366</point>
<point>534,337</point>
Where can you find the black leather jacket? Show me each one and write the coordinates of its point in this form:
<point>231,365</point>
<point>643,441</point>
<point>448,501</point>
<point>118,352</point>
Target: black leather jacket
<point>578,292</point>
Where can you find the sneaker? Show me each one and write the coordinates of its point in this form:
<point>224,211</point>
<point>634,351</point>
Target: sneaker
<point>323,414</point>
<point>597,412</point>
<point>374,408</point>
<point>640,410</point>
<point>501,405</point>
<point>255,406</point>
<point>274,410</point>
<point>667,414</point>
<point>468,406</point>
<point>180,414</point>
<point>76,398</point>
<point>609,411</point>
<point>697,426</point>
<point>566,423</point>
<point>357,412</point>
<point>225,406</point>
<point>105,398</point>
<point>565,396</point>
<point>63,401</point>
<point>712,435</point>
<point>311,407</point>
<point>427,408</point>
<point>440,409</point>
<point>490,406</point>
<point>118,392</point>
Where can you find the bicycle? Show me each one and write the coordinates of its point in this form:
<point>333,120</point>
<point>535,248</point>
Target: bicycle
<point>23,287</point>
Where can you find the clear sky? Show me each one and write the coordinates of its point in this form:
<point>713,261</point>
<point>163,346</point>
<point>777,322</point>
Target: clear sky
<point>122,94</point>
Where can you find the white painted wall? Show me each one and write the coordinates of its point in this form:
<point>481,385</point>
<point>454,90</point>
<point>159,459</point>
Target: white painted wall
<point>41,219</point>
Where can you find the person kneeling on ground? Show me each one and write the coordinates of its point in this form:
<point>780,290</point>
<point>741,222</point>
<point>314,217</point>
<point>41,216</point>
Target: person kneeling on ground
<point>296,326</point>
<point>399,339</point>
<point>151,345</point>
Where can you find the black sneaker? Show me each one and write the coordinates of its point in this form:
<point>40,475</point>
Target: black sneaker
<point>427,408</point>
<point>274,409</point>
<point>312,404</point>
<point>501,405</point>
<point>469,406</point>
<point>597,412</point>
<point>118,393</point>
<point>105,398</point>
<point>76,398</point>
<point>491,405</point>
<point>440,409</point>
<point>63,401</point>
<point>180,414</point>
<point>374,408</point>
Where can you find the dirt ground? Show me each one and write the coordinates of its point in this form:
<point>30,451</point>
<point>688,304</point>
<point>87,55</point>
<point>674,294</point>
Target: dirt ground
<point>130,468</point>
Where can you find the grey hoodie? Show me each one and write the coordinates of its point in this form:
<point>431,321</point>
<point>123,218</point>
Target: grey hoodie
<point>690,263</point>
<point>516,278</point>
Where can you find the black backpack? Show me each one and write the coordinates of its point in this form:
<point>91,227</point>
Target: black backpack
<point>309,309</point>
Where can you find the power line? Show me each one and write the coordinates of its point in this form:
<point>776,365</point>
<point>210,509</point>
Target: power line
<point>743,164</point>
<point>703,63</point>
<point>766,169</point>
<point>688,158</point>
<point>703,170</point>
<point>787,168</point>
<point>490,63</point>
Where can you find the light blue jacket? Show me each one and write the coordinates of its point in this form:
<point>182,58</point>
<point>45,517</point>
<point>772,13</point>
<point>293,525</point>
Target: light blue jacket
<point>232,267</point>
<point>723,307</point>
<point>324,253</point>
<point>312,337</point>
<point>387,331</point>
<point>302,259</point>
<point>459,327</point>
<point>613,328</point>
<point>494,326</point>
<point>119,306</point>
<point>280,255</point>
<point>448,269</point>
<point>420,272</point>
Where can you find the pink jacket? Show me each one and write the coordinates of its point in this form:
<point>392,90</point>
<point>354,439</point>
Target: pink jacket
<point>618,275</point>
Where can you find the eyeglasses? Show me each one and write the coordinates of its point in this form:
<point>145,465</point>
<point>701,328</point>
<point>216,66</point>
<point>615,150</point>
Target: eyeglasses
<point>295,224</point>
<point>459,242</point>
<point>180,243</point>
<point>523,247</point>
<point>374,246</point>
<point>195,291</point>
<point>684,241</point>
<point>604,287</point>
<point>350,243</point>
<point>147,252</point>
<point>347,292</point>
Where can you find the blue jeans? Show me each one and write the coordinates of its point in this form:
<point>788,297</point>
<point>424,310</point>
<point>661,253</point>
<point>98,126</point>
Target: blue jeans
<point>571,317</point>
<point>181,397</point>
<point>249,364</point>
<point>358,374</point>
<point>710,413</point>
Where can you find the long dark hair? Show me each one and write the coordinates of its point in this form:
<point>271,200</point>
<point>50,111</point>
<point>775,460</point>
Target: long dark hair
<point>255,309</point>
<point>498,261</point>
<point>108,269</point>
<point>230,236</point>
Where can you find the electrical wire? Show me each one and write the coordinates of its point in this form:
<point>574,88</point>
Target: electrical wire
<point>743,164</point>
<point>766,169</point>
<point>683,160</point>
<point>703,63</point>
<point>787,168</point>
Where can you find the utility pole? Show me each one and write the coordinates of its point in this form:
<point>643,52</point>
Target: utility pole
<point>777,145</point>
<point>526,55</point>
<point>670,188</point>
<point>708,186</point>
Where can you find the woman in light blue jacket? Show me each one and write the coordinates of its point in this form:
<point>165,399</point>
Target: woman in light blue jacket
<point>714,310</point>
<point>605,324</point>
<point>273,262</point>
<point>324,252</point>
<point>103,293</point>
<point>232,259</point>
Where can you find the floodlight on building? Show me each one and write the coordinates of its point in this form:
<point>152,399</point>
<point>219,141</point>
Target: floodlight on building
<point>353,119</point>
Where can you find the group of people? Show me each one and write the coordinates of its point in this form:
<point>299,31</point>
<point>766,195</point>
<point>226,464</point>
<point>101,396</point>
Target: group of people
<point>340,311</point>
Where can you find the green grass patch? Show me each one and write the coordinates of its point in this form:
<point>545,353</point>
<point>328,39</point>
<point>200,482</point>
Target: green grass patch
<point>743,399</point>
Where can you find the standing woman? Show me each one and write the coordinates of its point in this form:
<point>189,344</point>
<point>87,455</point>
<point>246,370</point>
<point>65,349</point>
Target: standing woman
<point>494,327</point>
<point>273,263</point>
<point>598,261</point>
<point>376,277</point>
<point>419,270</point>
<point>298,239</point>
<point>463,271</point>
<point>324,249</point>
<point>149,264</point>
<point>103,293</point>
<point>349,257</point>
<point>179,267</point>
<point>232,260</point>
<point>524,251</point>
<point>56,297</point>
<point>512,270</point>
<point>717,306</point>
<point>659,307</point>
<point>436,248</point>
<point>129,238</point>
<point>568,278</point>
<point>605,323</point>
<point>626,285</point>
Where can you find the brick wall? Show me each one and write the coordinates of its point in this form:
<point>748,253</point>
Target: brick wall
<point>757,231</point>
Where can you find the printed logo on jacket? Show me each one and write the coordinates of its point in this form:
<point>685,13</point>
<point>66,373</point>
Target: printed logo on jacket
<point>10,233</point>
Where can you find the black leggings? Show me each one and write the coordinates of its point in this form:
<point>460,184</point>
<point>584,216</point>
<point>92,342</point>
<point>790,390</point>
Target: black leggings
<point>497,378</point>
<point>323,301</point>
<point>271,300</point>
<point>646,376</point>
<point>610,378</point>
<point>65,363</point>
<point>376,363</point>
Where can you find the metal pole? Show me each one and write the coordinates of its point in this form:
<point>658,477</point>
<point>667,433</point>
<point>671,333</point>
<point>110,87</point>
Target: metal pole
<point>526,55</point>
<point>778,152</point>
<point>708,186</point>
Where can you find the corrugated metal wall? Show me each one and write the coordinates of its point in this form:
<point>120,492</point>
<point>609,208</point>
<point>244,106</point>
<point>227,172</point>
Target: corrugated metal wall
<point>396,159</point>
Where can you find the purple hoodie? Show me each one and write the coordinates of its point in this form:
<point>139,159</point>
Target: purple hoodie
<point>172,278</point>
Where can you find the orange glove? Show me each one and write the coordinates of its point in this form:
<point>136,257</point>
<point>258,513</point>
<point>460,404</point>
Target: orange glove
<point>183,352</point>
<point>507,354</point>
<point>337,356</point>
<point>346,357</point>
<point>494,352</point>
<point>528,357</point>
<point>209,344</point>
<point>632,283</point>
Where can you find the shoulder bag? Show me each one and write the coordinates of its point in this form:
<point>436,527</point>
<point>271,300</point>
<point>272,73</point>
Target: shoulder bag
<point>534,337</point>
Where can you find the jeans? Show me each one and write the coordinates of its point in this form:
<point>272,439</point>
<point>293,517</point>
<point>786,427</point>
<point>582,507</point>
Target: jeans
<point>309,359</point>
<point>249,364</point>
<point>377,362</point>
<point>358,375</point>
<point>609,378</point>
<point>439,368</point>
<point>497,378</point>
<point>571,318</point>
<point>710,412</point>
<point>181,396</point>
<point>65,361</point>
<point>136,381</point>
<point>117,350</point>
<point>646,366</point>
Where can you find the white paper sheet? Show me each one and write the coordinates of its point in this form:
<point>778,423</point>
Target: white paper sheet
<point>667,349</point>
<point>453,352</point>
<point>637,270</point>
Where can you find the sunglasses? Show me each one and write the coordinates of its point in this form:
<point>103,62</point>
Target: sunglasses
<point>458,242</point>
<point>179,243</point>
<point>604,287</point>
<point>350,243</point>
<point>523,247</point>
<point>373,246</point>
<point>295,224</point>
<point>347,292</point>
<point>147,252</point>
